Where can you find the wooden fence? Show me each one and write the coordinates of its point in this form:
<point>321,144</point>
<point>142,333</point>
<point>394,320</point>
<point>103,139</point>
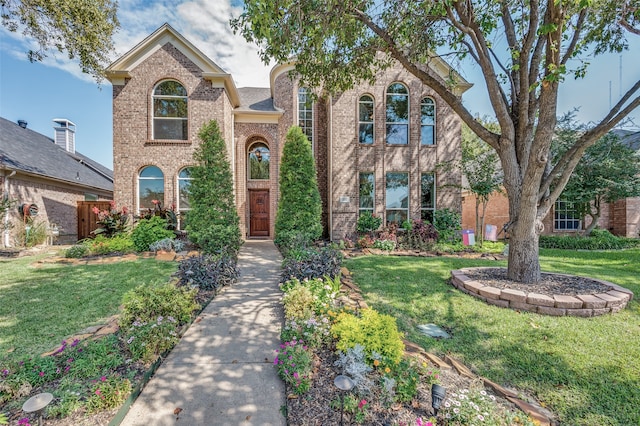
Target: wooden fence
<point>87,219</point>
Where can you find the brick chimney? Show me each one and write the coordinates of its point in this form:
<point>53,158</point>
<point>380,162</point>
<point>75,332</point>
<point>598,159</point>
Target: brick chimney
<point>65,134</point>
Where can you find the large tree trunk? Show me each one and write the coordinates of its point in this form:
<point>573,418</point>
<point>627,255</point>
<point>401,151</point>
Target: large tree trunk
<point>524,264</point>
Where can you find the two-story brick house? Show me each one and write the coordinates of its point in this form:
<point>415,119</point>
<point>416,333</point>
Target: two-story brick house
<point>376,146</point>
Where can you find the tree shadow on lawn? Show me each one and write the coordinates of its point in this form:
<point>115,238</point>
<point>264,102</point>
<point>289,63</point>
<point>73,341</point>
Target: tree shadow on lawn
<point>528,351</point>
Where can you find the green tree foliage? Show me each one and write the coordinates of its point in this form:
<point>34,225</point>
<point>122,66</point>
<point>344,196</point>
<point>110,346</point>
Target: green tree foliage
<point>608,171</point>
<point>213,222</point>
<point>480,166</point>
<point>81,28</point>
<point>525,49</point>
<point>298,220</point>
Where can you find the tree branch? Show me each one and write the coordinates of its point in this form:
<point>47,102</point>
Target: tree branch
<point>576,36</point>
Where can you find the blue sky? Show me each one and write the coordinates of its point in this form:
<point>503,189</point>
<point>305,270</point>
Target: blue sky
<point>40,92</point>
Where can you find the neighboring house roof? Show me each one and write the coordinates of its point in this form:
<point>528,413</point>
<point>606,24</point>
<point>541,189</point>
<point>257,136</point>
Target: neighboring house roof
<point>30,152</point>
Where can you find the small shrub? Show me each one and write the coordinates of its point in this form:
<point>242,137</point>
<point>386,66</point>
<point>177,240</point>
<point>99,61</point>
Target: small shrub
<point>148,340</point>
<point>317,264</point>
<point>108,393</point>
<point>448,223</point>
<point>101,244</point>
<point>324,290</point>
<point>208,272</point>
<point>368,222</point>
<point>468,407</point>
<point>407,376</point>
<point>353,362</point>
<point>314,331</point>
<point>387,245</point>
<point>600,239</point>
<point>30,234</point>
<point>298,303</point>
<point>76,251</point>
<point>146,303</point>
<point>167,244</point>
<point>375,331</point>
<point>293,363</point>
<point>148,231</point>
<point>421,235</point>
<point>353,405</point>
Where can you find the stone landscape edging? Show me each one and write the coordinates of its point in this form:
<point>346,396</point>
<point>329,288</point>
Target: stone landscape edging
<point>533,409</point>
<point>584,305</point>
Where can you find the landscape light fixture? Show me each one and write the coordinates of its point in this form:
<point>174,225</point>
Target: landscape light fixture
<point>345,384</point>
<point>37,403</point>
<point>437,395</point>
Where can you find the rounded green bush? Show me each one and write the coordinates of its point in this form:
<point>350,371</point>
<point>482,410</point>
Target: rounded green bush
<point>148,231</point>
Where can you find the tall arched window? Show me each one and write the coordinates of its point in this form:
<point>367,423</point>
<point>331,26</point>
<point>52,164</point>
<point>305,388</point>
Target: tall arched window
<point>170,118</point>
<point>150,188</point>
<point>427,122</point>
<point>365,119</point>
<point>305,113</point>
<point>259,161</point>
<point>397,114</point>
<point>184,180</point>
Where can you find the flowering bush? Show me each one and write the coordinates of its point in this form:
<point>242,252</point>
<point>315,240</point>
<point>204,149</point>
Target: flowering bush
<point>470,407</point>
<point>294,365</point>
<point>314,330</point>
<point>148,340</point>
<point>112,221</point>
<point>352,405</point>
<point>108,393</point>
<point>169,215</point>
<point>322,290</point>
<point>387,245</point>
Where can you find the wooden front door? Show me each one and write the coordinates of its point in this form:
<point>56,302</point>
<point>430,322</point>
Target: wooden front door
<point>258,213</point>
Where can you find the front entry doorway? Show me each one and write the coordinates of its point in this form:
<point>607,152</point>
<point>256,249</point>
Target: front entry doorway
<point>258,213</point>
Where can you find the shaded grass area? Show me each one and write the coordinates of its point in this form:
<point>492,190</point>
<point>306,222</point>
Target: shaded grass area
<point>41,304</point>
<point>584,370</point>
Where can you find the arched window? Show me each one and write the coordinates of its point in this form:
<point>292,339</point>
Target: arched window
<point>427,122</point>
<point>170,111</point>
<point>184,180</point>
<point>397,114</point>
<point>365,119</point>
<point>305,113</point>
<point>259,161</point>
<point>150,188</point>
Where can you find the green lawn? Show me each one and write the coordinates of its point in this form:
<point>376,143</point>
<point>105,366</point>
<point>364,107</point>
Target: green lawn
<point>585,370</point>
<point>40,306</point>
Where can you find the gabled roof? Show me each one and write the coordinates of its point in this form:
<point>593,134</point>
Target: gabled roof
<point>30,152</point>
<point>122,67</point>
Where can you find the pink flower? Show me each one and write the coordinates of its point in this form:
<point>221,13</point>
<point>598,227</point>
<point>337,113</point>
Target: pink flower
<point>103,378</point>
<point>362,403</point>
<point>98,392</point>
<point>95,210</point>
<point>41,373</point>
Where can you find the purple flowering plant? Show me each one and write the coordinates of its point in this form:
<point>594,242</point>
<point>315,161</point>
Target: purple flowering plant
<point>293,362</point>
<point>147,340</point>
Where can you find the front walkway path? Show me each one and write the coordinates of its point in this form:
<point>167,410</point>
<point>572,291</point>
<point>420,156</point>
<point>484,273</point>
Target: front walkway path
<point>221,372</point>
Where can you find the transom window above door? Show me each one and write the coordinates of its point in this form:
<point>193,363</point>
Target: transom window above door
<point>170,113</point>
<point>259,161</point>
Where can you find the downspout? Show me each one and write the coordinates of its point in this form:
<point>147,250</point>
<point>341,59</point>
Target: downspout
<point>330,189</point>
<point>6,241</point>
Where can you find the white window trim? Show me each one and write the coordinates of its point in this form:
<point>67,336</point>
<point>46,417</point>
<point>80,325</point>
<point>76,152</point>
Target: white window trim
<point>386,96</point>
<point>435,121</point>
<point>153,115</point>
<point>373,119</point>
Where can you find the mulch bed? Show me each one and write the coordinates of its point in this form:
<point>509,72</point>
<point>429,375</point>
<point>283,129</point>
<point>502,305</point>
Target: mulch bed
<point>549,284</point>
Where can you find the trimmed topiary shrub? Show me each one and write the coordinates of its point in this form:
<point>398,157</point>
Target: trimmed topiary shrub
<point>148,231</point>
<point>600,239</point>
<point>213,220</point>
<point>299,208</point>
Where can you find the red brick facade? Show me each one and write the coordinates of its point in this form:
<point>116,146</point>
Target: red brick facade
<point>339,156</point>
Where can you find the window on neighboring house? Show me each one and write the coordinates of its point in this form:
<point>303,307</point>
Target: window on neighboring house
<point>566,217</point>
<point>365,120</point>
<point>170,111</point>
<point>184,180</point>
<point>150,188</point>
<point>367,192</point>
<point>427,122</point>
<point>259,161</point>
<point>305,113</point>
<point>427,196</point>
<point>397,197</point>
<point>397,114</point>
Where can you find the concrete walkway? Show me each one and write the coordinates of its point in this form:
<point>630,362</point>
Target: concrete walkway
<point>221,372</point>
